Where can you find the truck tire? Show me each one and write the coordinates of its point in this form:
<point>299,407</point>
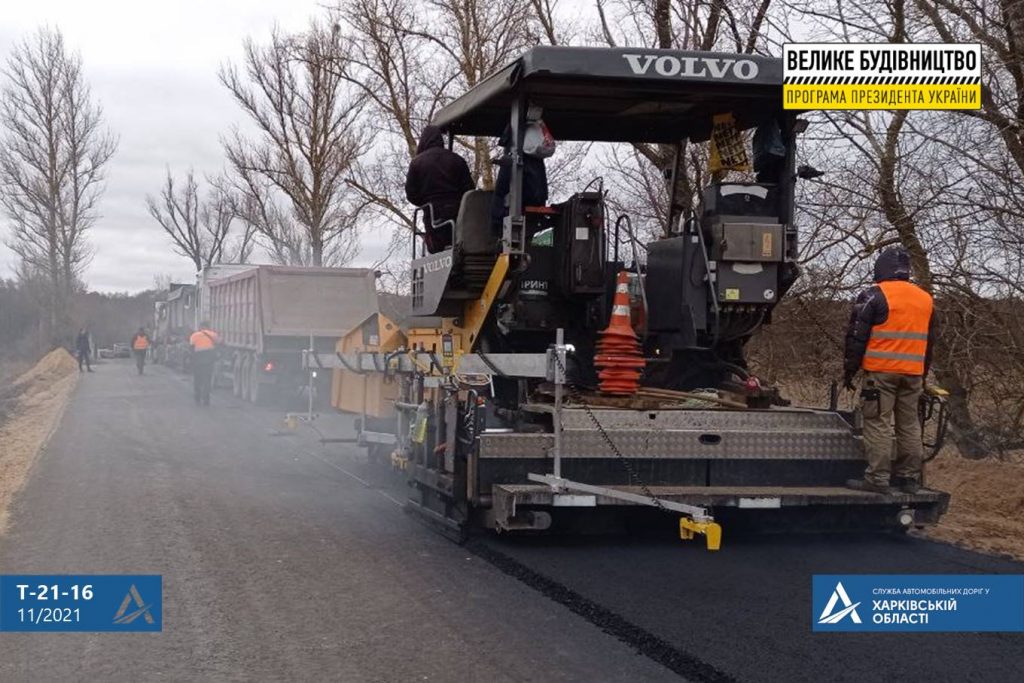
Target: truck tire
<point>255,389</point>
<point>236,376</point>
<point>243,377</point>
<point>379,454</point>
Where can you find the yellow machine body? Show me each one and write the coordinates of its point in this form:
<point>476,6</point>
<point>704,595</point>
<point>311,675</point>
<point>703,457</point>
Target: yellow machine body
<point>369,393</point>
<point>464,332</point>
<point>374,393</point>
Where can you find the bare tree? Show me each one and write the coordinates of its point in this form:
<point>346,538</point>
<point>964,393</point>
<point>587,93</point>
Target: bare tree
<point>478,37</point>
<point>682,25</point>
<point>943,185</point>
<point>409,58</point>
<point>221,209</point>
<point>391,68</point>
<point>290,177</point>
<point>199,227</point>
<point>997,26</point>
<point>977,256</point>
<point>52,158</point>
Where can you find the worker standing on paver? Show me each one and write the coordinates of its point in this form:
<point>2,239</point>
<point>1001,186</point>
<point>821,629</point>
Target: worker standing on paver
<point>535,176</point>
<point>204,356</point>
<point>140,345</point>
<point>890,337</point>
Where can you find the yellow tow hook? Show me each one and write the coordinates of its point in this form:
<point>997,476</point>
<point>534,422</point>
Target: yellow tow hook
<point>711,530</point>
<point>398,462</point>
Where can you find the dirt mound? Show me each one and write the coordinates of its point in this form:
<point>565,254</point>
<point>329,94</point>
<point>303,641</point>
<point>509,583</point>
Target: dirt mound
<point>55,364</point>
<point>32,405</point>
<point>986,510</point>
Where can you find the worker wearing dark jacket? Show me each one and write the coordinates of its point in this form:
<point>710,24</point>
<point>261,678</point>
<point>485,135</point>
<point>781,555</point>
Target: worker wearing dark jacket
<point>890,337</point>
<point>535,182</point>
<point>83,349</point>
<point>438,177</point>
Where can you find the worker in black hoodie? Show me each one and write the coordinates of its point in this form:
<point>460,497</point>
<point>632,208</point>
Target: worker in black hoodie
<point>439,177</point>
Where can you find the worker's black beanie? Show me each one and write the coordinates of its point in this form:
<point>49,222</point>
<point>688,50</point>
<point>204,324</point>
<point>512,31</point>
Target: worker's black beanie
<point>892,264</point>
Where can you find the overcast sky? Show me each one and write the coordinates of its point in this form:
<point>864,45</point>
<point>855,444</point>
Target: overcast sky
<point>152,66</point>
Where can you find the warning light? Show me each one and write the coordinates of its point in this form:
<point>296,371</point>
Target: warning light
<point>269,367</point>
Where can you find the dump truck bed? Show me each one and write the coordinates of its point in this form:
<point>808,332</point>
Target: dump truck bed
<point>251,308</point>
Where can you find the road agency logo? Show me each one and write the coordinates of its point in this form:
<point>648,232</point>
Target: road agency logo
<point>833,613</point>
<point>124,617</point>
<point>917,602</point>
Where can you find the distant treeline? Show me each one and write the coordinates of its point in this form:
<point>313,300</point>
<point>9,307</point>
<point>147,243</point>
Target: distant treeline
<point>109,317</point>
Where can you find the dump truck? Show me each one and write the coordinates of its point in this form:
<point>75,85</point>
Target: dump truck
<point>267,315</point>
<point>557,367</point>
<point>181,310</point>
<point>174,321</point>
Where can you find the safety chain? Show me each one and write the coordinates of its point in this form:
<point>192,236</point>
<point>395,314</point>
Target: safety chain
<point>626,464</point>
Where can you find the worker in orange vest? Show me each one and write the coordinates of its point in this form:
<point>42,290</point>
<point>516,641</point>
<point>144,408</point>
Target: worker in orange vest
<point>204,357</point>
<point>140,344</point>
<point>890,338</point>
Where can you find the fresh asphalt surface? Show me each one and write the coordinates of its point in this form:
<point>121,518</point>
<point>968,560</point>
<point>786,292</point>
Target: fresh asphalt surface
<point>286,560</point>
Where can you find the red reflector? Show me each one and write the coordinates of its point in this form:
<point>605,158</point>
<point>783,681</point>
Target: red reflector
<point>269,367</point>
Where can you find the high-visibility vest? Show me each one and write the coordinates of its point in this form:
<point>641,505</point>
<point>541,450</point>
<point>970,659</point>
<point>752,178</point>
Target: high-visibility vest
<point>141,343</point>
<point>900,343</point>
<point>203,340</point>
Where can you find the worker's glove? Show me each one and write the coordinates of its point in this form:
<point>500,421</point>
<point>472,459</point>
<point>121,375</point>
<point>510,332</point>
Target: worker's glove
<point>848,381</point>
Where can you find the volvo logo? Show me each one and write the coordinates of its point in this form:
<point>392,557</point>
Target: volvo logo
<point>692,67</point>
<point>438,264</point>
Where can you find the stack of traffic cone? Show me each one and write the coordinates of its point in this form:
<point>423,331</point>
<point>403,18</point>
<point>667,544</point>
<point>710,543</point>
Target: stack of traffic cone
<point>618,351</point>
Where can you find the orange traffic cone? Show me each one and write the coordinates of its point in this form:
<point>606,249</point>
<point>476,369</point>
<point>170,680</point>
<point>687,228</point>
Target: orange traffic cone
<point>618,351</point>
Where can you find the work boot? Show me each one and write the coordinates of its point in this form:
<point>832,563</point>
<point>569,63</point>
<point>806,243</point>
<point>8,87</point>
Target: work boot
<point>907,484</point>
<point>865,485</point>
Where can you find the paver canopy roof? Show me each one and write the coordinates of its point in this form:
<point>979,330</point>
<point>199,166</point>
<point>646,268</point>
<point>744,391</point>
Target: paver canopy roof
<point>622,94</point>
